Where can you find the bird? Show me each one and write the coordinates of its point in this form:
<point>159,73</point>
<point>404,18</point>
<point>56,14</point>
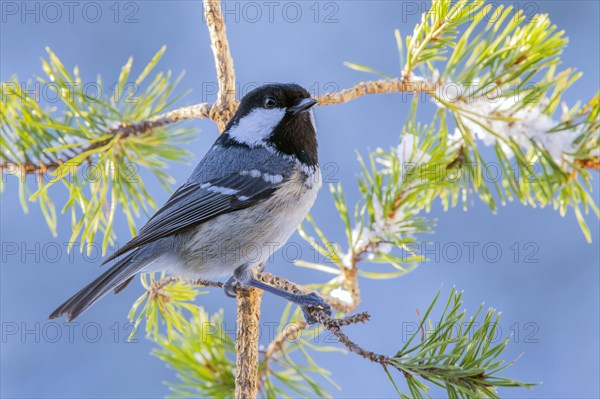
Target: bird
<point>242,202</point>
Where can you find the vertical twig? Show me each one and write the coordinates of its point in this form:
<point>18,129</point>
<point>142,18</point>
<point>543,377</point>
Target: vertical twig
<point>226,104</point>
<point>248,300</point>
<point>246,343</point>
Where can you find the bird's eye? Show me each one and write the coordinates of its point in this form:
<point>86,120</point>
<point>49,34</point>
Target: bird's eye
<point>270,102</point>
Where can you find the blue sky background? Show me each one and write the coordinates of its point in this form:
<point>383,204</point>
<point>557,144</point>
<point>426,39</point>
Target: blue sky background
<point>553,304</point>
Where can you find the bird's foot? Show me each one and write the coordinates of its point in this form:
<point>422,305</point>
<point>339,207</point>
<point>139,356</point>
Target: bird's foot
<point>230,286</point>
<point>312,300</point>
<point>242,277</point>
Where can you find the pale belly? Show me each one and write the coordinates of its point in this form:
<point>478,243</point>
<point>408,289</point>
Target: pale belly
<point>249,236</point>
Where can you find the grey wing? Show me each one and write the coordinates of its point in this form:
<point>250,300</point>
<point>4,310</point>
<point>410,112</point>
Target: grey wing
<point>195,203</point>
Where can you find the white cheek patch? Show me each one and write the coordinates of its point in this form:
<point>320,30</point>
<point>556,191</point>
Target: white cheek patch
<point>254,128</point>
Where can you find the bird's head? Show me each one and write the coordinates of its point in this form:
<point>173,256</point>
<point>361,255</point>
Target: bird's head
<point>277,116</point>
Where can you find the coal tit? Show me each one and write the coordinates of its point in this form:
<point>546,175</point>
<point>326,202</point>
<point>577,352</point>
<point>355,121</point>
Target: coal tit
<point>242,202</point>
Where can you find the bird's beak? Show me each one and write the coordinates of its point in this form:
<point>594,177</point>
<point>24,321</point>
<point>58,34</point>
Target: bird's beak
<point>302,105</point>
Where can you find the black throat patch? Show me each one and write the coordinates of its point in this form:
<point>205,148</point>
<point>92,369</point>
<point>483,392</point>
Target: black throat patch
<point>296,136</point>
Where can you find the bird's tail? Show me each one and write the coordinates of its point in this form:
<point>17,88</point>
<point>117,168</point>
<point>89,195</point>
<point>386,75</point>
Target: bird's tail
<point>117,277</point>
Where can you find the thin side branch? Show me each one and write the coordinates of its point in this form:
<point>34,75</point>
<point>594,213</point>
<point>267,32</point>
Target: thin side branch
<point>331,324</point>
<point>278,344</point>
<point>197,111</point>
<point>275,281</point>
<point>590,163</point>
<point>159,284</point>
<point>334,326</point>
<point>376,87</point>
<point>335,303</point>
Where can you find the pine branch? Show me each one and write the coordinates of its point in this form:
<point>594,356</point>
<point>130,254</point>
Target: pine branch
<point>386,86</point>
<point>389,218</point>
<point>220,111</point>
<point>82,147</point>
<point>123,131</point>
<point>456,354</point>
<point>542,160</point>
<point>461,361</point>
<point>213,110</point>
